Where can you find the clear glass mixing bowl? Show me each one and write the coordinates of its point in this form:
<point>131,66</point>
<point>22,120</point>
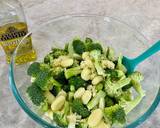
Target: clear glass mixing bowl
<point>110,32</point>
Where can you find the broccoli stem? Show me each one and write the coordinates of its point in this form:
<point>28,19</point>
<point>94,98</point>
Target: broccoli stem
<point>121,83</point>
<point>95,100</point>
<point>130,105</point>
<point>72,72</point>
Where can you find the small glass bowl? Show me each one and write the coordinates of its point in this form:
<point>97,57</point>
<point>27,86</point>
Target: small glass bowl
<point>110,32</point>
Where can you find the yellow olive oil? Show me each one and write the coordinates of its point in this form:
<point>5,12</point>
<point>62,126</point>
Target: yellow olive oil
<point>13,28</point>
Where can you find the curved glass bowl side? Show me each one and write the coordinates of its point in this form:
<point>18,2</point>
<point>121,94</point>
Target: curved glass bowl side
<point>48,125</point>
<point>22,103</point>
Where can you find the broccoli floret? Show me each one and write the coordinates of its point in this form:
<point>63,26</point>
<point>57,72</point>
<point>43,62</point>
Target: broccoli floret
<point>110,54</point>
<point>75,63</point>
<point>36,95</point>
<point>88,40</point>
<point>78,46</point>
<point>136,76</point>
<point>95,100</point>
<point>96,56</point>
<point>137,86</point>
<point>114,89</point>
<point>44,80</point>
<point>56,52</point>
<point>60,119</point>
<point>99,86</point>
<point>48,59</point>
<point>72,72</point>
<point>109,101</point>
<point>130,105</point>
<point>33,69</point>
<point>125,88</point>
<point>92,46</point>
<point>58,74</point>
<point>66,47</point>
<point>72,53</point>
<point>127,95</point>
<point>55,90</point>
<point>66,108</point>
<point>44,66</point>
<point>114,74</point>
<point>115,114</point>
<point>77,82</point>
<point>82,125</point>
<point>57,87</point>
<point>80,109</point>
<point>120,66</point>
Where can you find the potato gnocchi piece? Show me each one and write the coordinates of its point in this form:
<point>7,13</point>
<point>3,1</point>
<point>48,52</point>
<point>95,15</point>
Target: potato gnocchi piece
<point>108,64</point>
<point>86,96</point>
<point>96,80</point>
<point>58,103</point>
<point>86,74</point>
<point>79,93</point>
<point>95,117</point>
<point>49,96</point>
<point>102,124</point>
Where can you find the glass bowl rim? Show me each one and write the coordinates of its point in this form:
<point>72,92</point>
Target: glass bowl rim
<point>44,123</point>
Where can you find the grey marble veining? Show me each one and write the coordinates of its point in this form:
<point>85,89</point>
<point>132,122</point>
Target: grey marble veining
<point>143,15</point>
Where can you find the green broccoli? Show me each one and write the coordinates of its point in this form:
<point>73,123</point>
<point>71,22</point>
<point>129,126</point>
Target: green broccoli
<point>99,87</point>
<point>127,95</point>
<point>66,108</point>
<point>72,72</point>
<point>77,82</point>
<point>125,88</point>
<point>55,90</point>
<point>136,76</point>
<point>88,40</point>
<point>48,59</point>
<point>60,119</point>
<point>114,89</point>
<point>44,80</point>
<point>115,114</point>
<point>58,74</point>
<point>137,86</point>
<point>66,47</point>
<point>78,46</point>
<point>95,100</point>
<point>36,94</point>
<point>120,66</point>
<point>37,97</point>
<point>90,46</point>
<point>82,125</point>
<point>96,56</point>
<point>94,46</point>
<point>109,101</point>
<point>56,52</point>
<point>130,105</point>
<point>75,63</point>
<point>80,109</point>
<point>72,53</point>
<point>110,54</point>
<point>33,69</point>
<point>114,74</point>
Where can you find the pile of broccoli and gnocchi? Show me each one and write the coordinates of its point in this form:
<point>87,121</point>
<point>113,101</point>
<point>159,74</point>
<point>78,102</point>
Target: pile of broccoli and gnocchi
<point>84,86</point>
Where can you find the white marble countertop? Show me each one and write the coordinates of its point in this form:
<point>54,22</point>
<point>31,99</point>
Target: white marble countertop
<point>143,15</point>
